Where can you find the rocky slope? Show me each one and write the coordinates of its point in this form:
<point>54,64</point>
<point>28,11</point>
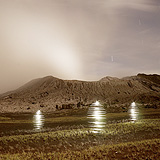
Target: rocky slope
<point>50,93</point>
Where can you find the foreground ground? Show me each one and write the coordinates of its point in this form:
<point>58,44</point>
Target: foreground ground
<point>124,140</point>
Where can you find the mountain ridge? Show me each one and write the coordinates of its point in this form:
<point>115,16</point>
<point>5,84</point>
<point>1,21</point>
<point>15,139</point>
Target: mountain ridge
<point>50,93</point>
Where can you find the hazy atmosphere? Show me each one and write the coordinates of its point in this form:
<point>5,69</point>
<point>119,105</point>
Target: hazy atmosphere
<point>77,39</point>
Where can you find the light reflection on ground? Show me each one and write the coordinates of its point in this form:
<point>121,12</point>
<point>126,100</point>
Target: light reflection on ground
<point>96,118</point>
<point>133,112</point>
<point>38,120</point>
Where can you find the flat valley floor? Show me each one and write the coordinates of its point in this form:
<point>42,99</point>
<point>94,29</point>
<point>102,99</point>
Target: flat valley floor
<point>81,134</point>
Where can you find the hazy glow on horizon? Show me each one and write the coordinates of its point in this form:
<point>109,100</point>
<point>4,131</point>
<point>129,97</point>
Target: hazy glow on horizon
<point>65,60</point>
<point>72,39</point>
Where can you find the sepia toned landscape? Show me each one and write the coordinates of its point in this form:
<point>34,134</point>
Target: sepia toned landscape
<point>51,94</point>
<point>79,80</point>
<point>50,118</point>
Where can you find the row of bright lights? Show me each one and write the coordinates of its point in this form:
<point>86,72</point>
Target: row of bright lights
<point>96,114</point>
<point>99,117</point>
<point>97,103</point>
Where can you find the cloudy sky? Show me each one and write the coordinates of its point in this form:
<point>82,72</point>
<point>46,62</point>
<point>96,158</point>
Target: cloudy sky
<point>77,39</point>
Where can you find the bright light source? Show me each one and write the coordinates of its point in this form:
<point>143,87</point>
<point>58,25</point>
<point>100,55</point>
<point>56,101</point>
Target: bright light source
<point>133,114</point>
<point>133,104</point>
<point>133,111</point>
<point>38,112</point>
<point>97,103</point>
<point>38,120</point>
<point>97,117</point>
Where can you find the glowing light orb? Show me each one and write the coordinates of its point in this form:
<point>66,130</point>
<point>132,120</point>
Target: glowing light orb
<point>97,103</point>
<point>96,117</point>
<point>133,104</point>
<point>38,112</point>
<point>38,120</point>
<point>133,114</point>
<point>134,111</point>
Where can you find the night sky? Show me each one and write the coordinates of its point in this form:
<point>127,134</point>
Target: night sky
<point>77,39</point>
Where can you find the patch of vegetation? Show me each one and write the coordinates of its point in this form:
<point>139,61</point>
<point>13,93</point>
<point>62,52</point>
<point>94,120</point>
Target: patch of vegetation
<point>78,139</point>
<point>4,118</point>
<point>148,149</point>
<point>129,140</point>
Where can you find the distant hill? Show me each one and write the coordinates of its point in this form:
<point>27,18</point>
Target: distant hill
<point>50,93</point>
<point>153,78</point>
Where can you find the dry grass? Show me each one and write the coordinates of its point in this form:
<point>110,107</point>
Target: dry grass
<point>129,140</point>
<point>78,139</point>
<point>148,149</point>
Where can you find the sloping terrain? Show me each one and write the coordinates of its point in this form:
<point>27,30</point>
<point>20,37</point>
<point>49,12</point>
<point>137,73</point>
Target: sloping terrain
<point>50,93</point>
